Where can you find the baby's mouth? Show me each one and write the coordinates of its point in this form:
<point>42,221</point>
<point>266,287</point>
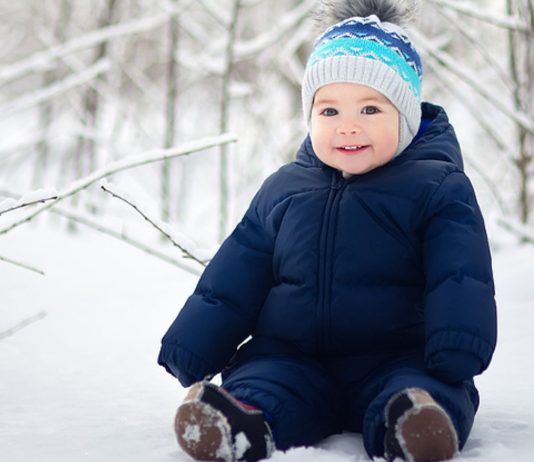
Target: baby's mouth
<point>352,149</point>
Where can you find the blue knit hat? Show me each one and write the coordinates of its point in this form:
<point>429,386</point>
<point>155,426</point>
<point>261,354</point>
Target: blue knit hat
<point>370,52</point>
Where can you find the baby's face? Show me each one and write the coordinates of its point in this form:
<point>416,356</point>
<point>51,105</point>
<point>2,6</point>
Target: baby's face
<point>354,128</point>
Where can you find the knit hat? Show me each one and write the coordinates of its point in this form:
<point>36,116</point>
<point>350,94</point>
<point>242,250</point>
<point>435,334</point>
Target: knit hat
<point>371,51</point>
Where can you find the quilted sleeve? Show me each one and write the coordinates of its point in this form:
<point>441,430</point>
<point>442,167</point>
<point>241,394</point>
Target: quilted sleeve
<point>222,311</point>
<point>459,304</point>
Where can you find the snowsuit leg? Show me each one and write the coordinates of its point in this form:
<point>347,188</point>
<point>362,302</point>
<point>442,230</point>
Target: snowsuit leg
<point>459,400</point>
<point>297,396</point>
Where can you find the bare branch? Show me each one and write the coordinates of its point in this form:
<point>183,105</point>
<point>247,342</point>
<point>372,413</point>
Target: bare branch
<point>160,227</point>
<point>22,324</point>
<point>90,222</point>
<point>97,226</point>
<point>22,265</point>
<point>503,21</point>
<point>125,164</point>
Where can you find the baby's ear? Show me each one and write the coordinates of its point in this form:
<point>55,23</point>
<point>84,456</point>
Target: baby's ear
<point>454,365</point>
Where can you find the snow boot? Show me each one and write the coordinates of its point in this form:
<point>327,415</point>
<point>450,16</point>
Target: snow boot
<point>418,429</point>
<point>211,425</point>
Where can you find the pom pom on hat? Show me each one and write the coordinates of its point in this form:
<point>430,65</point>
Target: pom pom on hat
<point>370,48</point>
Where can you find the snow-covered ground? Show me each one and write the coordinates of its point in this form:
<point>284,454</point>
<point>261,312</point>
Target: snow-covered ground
<point>82,383</point>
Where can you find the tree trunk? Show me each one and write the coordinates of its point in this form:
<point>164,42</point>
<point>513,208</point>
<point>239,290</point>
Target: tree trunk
<point>224,122</point>
<point>86,144</point>
<point>522,72</point>
<point>170,130</point>
<point>46,110</point>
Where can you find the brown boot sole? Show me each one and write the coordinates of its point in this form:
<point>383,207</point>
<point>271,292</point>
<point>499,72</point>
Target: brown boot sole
<point>427,435</point>
<point>202,431</point>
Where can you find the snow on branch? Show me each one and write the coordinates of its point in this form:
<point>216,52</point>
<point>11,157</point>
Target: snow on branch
<point>22,265</point>
<point>39,96</point>
<point>43,59</point>
<point>163,228</point>
<point>474,11</point>
<point>250,48</point>
<point>31,198</point>
<point>22,324</point>
<point>244,50</point>
<point>125,164</point>
<point>97,225</point>
<point>451,64</point>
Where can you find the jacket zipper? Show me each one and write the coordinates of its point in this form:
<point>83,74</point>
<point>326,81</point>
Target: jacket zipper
<point>328,233</point>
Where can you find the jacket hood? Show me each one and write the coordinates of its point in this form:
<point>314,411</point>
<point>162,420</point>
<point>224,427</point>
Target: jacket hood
<point>435,140</point>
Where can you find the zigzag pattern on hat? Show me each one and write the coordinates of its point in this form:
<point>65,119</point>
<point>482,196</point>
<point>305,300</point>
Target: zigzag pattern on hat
<point>371,22</point>
<point>372,29</point>
<point>370,49</point>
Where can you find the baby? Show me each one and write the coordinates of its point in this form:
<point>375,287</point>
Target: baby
<point>360,276</point>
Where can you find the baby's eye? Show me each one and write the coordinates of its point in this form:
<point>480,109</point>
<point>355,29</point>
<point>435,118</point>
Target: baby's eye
<point>370,110</point>
<point>329,112</point>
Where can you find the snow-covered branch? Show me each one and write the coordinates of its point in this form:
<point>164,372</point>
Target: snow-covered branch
<point>125,164</point>
<point>244,50</point>
<point>163,228</point>
<point>250,48</point>
<point>472,37</point>
<point>43,59</point>
<point>21,265</point>
<point>474,11</point>
<point>22,324</point>
<point>32,198</point>
<point>447,61</point>
<point>97,225</point>
<point>39,96</point>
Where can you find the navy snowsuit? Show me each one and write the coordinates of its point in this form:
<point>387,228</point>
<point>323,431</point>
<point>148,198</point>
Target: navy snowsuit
<point>352,290</point>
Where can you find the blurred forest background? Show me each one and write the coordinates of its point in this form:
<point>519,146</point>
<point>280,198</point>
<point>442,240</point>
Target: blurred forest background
<point>86,85</point>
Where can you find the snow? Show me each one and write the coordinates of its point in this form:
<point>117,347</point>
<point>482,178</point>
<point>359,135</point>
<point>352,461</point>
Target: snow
<point>241,445</point>
<point>82,383</point>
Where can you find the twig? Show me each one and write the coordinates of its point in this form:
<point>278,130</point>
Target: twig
<point>27,204</point>
<point>125,164</point>
<point>22,265</point>
<point>22,324</point>
<point>186,252</point>
<point>90,223</point>
<point>98,226</point>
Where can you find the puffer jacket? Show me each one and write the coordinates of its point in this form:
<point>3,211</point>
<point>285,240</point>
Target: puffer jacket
<point>388,261</point>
